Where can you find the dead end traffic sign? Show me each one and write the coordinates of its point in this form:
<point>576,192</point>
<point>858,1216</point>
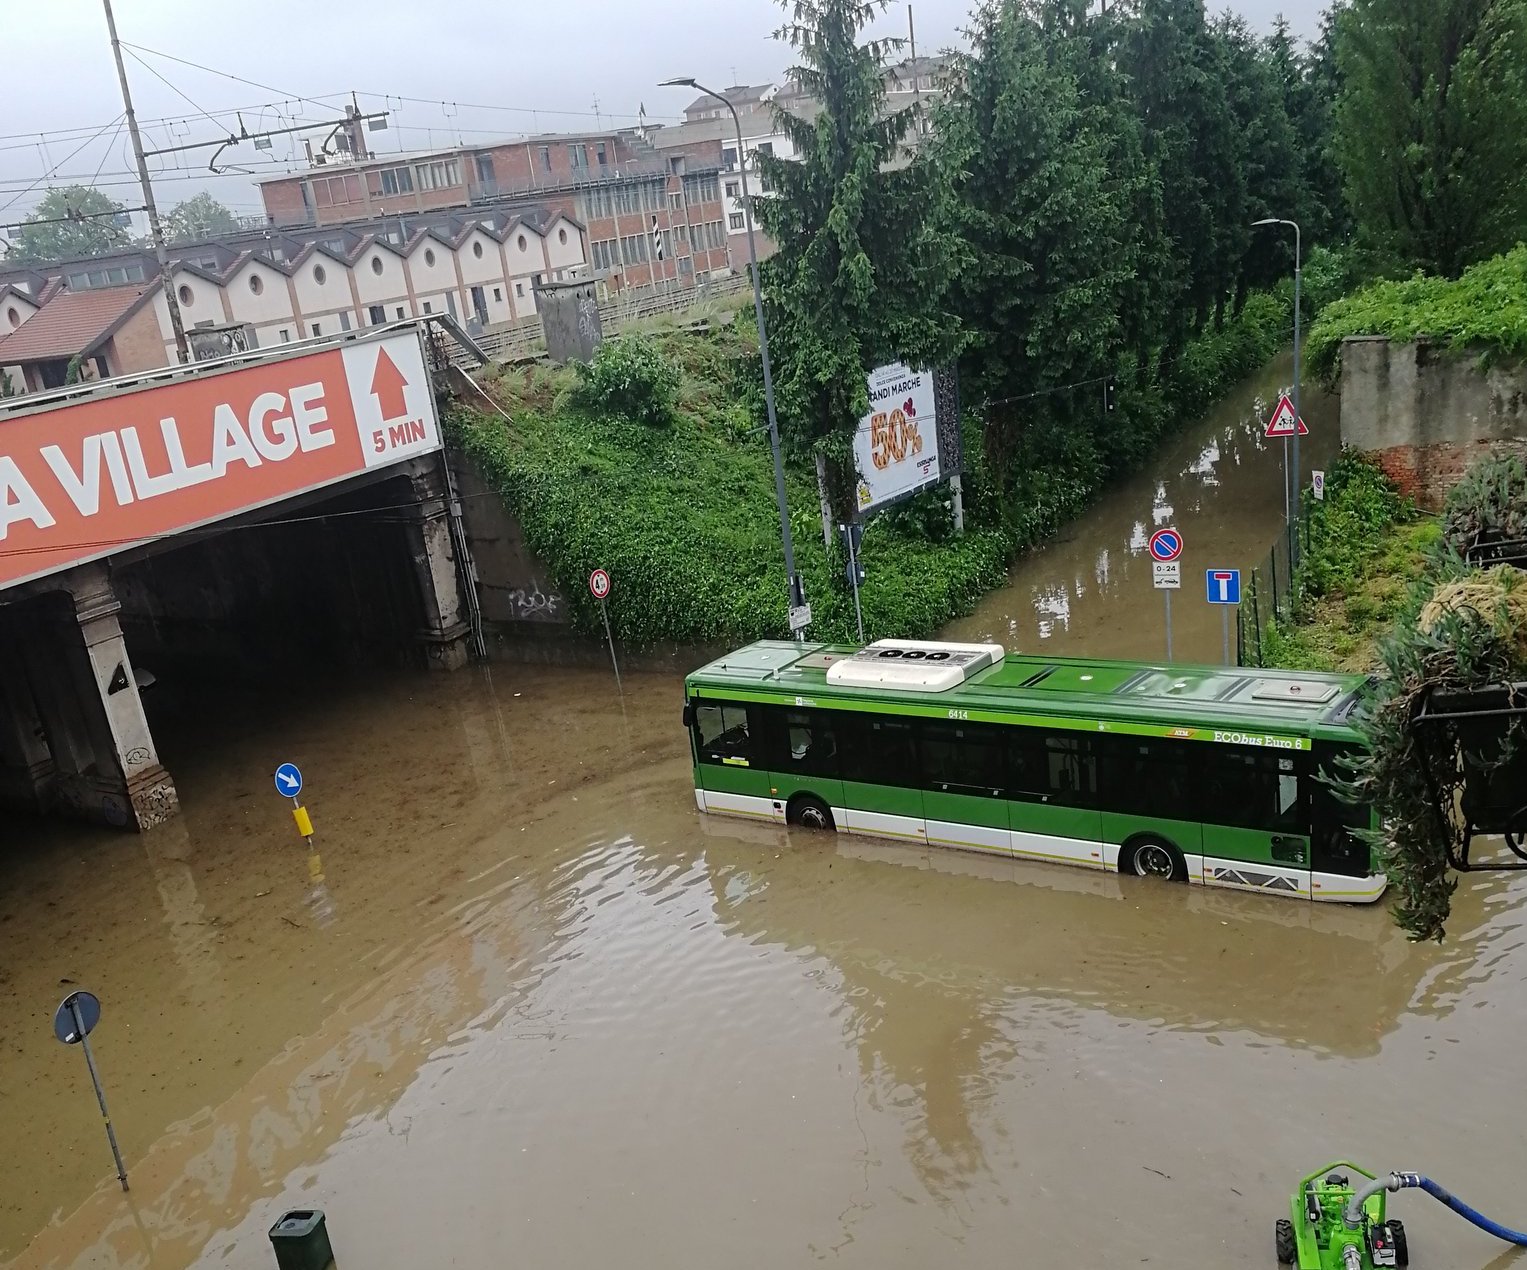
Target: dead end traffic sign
<point>599,584</point>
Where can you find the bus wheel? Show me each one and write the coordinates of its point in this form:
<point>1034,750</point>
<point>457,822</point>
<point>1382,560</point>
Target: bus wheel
<point>1153,858</point>
<point>810,812</point>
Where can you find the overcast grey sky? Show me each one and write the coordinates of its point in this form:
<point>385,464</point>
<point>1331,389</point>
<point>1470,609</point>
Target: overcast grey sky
<point>549,61</point>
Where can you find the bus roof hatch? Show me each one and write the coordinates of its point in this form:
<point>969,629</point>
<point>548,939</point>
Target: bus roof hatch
<point>913,665</point>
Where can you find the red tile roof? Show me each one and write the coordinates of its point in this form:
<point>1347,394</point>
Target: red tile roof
<point>72,322</point>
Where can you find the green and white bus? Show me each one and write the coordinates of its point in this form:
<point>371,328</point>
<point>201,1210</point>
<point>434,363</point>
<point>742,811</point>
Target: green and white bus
<point>1201,774</point>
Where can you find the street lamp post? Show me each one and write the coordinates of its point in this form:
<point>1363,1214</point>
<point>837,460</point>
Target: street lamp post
<point>797,592</point>
<point>1298,283</point>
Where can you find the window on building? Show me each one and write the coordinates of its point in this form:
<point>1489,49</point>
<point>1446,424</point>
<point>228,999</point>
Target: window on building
<point>111,276</point>
<point>498,294</point>
<point>519,289</point>
<point>729,158</point>
<point>604,253</point>
<point>256,284</point>
<point>187,296</point>
<point>428,308</point>
<point>562,237</point>
<point>320,275</point>
<point>477,249</point>
<point>766,148</point>
<point>735,220</point>
<point>400,313</point>
<point>377,314</point>
<point>376,265</point>
<point>317,330</point>
<point>429,257</point>
<point>443,174</point>
<point>675,202</point>
<point>599,155</point>
<point>702,189</point>
<point>395,181</point>
<point>732,189</point>
<point>344,321</point>
<point>286,335</point>
<point>633,249</point>
<point>546,158</point>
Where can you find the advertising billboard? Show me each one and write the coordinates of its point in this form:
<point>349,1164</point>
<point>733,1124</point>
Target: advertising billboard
<point>114,469</point>
<point>896,448</point>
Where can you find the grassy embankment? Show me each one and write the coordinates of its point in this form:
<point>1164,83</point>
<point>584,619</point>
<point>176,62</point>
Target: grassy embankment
<point>1368,547</point>
<point>682,512</point>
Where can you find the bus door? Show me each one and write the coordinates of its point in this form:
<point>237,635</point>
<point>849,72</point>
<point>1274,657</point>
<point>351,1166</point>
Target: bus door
<point>729,776</point>
<point>1257,819</point>
<point>1337,850</point>
<point>965,786</point>
<point>1054,812</point>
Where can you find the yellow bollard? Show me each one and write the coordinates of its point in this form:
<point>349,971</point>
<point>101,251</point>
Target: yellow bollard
<point>304,821</point>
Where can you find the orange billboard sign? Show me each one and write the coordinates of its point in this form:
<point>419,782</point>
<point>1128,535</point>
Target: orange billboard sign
<point>95,476</point>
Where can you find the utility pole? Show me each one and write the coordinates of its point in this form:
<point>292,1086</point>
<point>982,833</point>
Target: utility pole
<point>917,89</point>
<point>156,230</point>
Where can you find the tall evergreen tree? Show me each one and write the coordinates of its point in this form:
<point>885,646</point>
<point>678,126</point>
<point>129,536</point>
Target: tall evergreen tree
<point>1433,128</point>
<point>863,263</point>
<point>1040,220</point>
<point>1315,126</point>
<point>1267,154</point>
<point>1177,79</point>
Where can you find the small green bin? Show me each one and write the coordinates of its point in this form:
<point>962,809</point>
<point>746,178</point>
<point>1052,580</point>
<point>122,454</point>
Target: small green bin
<point>301,1241</point>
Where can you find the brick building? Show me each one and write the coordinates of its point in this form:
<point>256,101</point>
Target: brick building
<point>650,217</point>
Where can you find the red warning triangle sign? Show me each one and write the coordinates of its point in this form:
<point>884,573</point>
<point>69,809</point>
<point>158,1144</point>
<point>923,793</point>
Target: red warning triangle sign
<point>1284,422</point>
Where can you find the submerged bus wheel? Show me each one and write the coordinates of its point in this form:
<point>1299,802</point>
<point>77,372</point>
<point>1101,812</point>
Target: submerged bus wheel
<point>1153,858</point>
<point>810,812</point>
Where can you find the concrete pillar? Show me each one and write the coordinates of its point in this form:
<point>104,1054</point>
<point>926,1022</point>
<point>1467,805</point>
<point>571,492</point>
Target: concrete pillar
<point>445,633</point>
<point>124,784</point>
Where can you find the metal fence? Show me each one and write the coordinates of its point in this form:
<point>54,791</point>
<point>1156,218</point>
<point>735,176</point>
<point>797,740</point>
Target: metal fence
<point>1271,593</point>
<point>619,309</point>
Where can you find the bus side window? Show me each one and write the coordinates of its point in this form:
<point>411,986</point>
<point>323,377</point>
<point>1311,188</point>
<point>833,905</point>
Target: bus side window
<point>724,734</point>
<point>962,758</point>
<point>877,751</point>
<point>1073,770</point>
<point>1258,791</point>
<point>802,742</point>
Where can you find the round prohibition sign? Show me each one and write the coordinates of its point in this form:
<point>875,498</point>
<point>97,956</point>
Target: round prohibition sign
<point>1166,545</point>
<point>599,584</point>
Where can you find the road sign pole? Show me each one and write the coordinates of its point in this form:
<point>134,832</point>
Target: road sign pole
<point>1224,625</point>
<point>604,612</point>
<point>1168,596</point>
<point>1287,510</point>
<point>100,1097</point>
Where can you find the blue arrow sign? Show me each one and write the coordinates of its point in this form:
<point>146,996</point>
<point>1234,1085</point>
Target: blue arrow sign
<point>1224,586</point>
<point>288,780</point>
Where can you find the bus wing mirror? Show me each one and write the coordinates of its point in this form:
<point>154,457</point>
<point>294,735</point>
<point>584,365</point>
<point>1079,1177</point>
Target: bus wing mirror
<point>689,714</point>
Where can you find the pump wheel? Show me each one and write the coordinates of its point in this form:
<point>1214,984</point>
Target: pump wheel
<point>1283,1241</point>
<point>810,812</point>
<point>1401,1248</point>
<point>1154,858</point>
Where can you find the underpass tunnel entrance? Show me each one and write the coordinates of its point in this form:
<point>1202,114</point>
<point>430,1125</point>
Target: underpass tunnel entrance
<point>111,673</point>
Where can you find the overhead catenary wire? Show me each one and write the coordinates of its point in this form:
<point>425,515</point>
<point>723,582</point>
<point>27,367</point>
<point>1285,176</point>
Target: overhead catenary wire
<point>52,170</point>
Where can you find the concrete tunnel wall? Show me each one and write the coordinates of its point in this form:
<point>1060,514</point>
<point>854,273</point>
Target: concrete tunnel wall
<point>365,575</point>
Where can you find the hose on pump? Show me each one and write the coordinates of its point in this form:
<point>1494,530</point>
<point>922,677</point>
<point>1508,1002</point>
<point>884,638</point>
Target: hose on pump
<point>1405,1181</point>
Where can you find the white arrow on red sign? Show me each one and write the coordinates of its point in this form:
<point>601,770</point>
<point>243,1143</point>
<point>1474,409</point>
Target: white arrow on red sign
<point>1284,422</point>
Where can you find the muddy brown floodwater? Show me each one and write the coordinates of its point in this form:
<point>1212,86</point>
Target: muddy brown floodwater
<point>529,1008</point>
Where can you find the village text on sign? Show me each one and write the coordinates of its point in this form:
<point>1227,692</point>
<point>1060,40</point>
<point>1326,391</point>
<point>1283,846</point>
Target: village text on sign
<point>109,472</point>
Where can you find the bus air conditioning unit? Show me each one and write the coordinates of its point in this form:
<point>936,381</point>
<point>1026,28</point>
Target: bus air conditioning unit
<point>913,665</point>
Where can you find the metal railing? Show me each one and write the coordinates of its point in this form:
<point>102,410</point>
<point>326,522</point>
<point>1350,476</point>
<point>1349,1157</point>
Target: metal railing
<point>524,338</point>
<point>1271,593</point>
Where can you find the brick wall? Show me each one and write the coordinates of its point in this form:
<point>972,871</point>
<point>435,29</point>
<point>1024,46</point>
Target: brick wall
<point>1425,412</point>
<point>283,202</point>
<point>138,345</point>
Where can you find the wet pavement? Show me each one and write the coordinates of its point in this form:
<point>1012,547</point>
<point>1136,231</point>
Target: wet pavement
<point>530,1008</point>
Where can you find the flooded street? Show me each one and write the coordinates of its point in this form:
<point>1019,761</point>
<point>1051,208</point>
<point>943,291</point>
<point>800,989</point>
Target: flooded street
<point>1089,591</point>
<point>528,1007</point>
